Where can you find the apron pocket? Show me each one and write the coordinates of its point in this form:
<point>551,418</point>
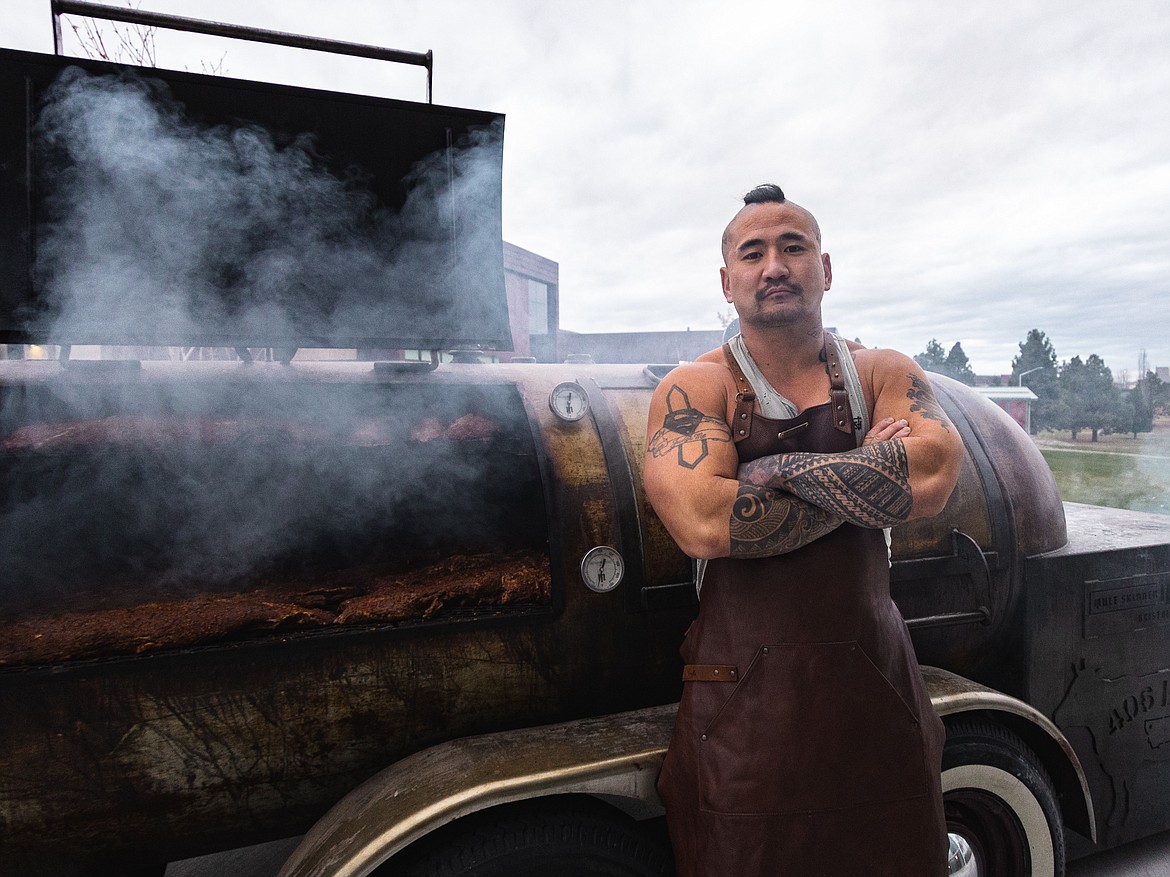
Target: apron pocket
<point>810,726</point>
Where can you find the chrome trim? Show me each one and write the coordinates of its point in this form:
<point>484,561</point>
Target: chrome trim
<point>960,860</point>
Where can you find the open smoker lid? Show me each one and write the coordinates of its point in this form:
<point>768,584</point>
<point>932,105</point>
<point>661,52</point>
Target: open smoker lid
<point>143,206</point>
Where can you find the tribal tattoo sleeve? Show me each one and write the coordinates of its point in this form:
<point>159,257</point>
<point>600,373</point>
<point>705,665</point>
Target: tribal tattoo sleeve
<point>869,486</point>
<point>766,522</point>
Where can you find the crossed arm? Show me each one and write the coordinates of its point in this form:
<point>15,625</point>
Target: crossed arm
<point>906,468</point>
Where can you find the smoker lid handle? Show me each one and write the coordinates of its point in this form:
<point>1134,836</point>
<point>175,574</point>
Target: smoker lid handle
<point>233,31</point>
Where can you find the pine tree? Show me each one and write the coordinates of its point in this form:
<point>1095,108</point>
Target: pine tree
<point>958,366</point>
<point>1140,410</point>
<point>1035,368</point>
<point>934,358</point>
<point>1148,396</point>
<point>1091,400</point>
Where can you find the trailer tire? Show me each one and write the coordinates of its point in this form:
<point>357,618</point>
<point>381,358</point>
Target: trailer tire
<point>999,798</point>
<point>564,836</point>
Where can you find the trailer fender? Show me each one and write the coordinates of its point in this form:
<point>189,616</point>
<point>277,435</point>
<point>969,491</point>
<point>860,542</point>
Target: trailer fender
<point>954,696</point>
<point>615,757</point>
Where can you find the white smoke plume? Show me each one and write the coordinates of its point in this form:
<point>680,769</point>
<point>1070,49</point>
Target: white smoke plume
<point>158,226</point>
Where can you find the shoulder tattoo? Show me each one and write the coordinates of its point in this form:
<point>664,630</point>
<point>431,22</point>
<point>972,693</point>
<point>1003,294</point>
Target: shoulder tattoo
<point>686,431</point>
<point>922,402</point>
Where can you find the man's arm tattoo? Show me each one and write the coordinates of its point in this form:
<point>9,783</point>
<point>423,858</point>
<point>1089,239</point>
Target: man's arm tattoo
<point>686,430</point>
<point>869,486</point>
<point>922,402</point>
<point>766,522</point>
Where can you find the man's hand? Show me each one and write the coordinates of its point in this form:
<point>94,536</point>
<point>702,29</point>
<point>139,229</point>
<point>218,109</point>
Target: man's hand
<point>886,429</point>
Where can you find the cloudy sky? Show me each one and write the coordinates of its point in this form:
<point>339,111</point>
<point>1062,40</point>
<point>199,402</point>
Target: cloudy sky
<point>978,169</point>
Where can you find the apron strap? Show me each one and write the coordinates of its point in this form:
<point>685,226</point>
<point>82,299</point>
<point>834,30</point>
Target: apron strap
<point>710,673</point>
<point>838,395</point>
<point>745,399</point>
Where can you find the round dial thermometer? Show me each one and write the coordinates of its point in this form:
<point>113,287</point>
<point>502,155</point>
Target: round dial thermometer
<point>568,401</point>
<point>602,569</point>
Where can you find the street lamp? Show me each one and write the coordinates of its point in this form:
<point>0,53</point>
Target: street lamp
<point>1020,381</point>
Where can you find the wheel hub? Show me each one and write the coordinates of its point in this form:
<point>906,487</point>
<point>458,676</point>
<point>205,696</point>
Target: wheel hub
<point>961,859</point>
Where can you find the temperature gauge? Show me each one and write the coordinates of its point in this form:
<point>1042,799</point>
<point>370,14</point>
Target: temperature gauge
<point>602,569</point>
<point>568,401</point>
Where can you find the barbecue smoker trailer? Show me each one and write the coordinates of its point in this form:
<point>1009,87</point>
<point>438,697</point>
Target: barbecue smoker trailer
<point>424,615</point>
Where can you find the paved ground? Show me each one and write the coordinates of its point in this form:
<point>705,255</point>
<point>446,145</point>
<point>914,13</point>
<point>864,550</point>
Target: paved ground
<point>1144,858</point>
<point>1147,858</point>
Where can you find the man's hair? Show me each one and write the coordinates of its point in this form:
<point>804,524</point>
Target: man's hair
<point>765,193</point>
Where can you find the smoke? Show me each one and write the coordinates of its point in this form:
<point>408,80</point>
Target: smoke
<point>117,492</point>
<point>125,489</point>
<point>158,227</point>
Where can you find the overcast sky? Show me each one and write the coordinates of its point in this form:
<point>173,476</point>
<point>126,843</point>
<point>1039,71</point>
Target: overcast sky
<point>978,169</point>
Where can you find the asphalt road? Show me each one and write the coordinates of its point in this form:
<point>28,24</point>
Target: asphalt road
<point>1145,858</point>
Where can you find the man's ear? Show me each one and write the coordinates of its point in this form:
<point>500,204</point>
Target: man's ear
<point>828,270</point>
<point>723,280</point>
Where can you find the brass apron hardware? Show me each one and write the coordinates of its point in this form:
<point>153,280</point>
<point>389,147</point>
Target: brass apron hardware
<point>785,433</point>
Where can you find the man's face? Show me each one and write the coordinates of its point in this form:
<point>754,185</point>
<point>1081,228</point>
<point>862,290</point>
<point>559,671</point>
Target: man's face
<point>775,273</point>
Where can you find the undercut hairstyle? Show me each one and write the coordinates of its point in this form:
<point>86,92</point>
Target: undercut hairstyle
<point>765,193</point>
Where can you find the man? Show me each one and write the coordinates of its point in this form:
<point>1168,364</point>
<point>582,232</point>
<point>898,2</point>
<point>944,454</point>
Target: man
<point>805,742</point>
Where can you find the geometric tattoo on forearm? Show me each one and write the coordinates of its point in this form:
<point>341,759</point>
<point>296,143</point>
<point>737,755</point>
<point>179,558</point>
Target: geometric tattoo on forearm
<point>766,522</point>
<point>686,430</point>
<point>868,486</point>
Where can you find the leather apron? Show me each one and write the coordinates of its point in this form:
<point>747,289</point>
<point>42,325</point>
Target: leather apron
<point>805,742</point>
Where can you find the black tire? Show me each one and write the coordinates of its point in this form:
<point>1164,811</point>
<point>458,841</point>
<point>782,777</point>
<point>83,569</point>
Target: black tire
<point>567,837</point>
<point>998,797</point>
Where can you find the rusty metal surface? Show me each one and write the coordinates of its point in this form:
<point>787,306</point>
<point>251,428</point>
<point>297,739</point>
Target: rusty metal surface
<point>1005,502</point>
<point>149,758</point>
<point>1029,488</point>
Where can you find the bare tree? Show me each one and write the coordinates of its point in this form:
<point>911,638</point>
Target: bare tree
<point>132,44</point>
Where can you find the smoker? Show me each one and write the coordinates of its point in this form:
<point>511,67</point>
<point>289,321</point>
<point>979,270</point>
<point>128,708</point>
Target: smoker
<point>396,606</point>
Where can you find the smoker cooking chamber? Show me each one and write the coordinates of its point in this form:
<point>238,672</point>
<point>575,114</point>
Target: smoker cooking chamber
<point>323,504</point>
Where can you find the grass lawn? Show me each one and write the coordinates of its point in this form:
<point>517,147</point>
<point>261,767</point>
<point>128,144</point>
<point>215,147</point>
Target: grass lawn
<point>1116,471</point>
